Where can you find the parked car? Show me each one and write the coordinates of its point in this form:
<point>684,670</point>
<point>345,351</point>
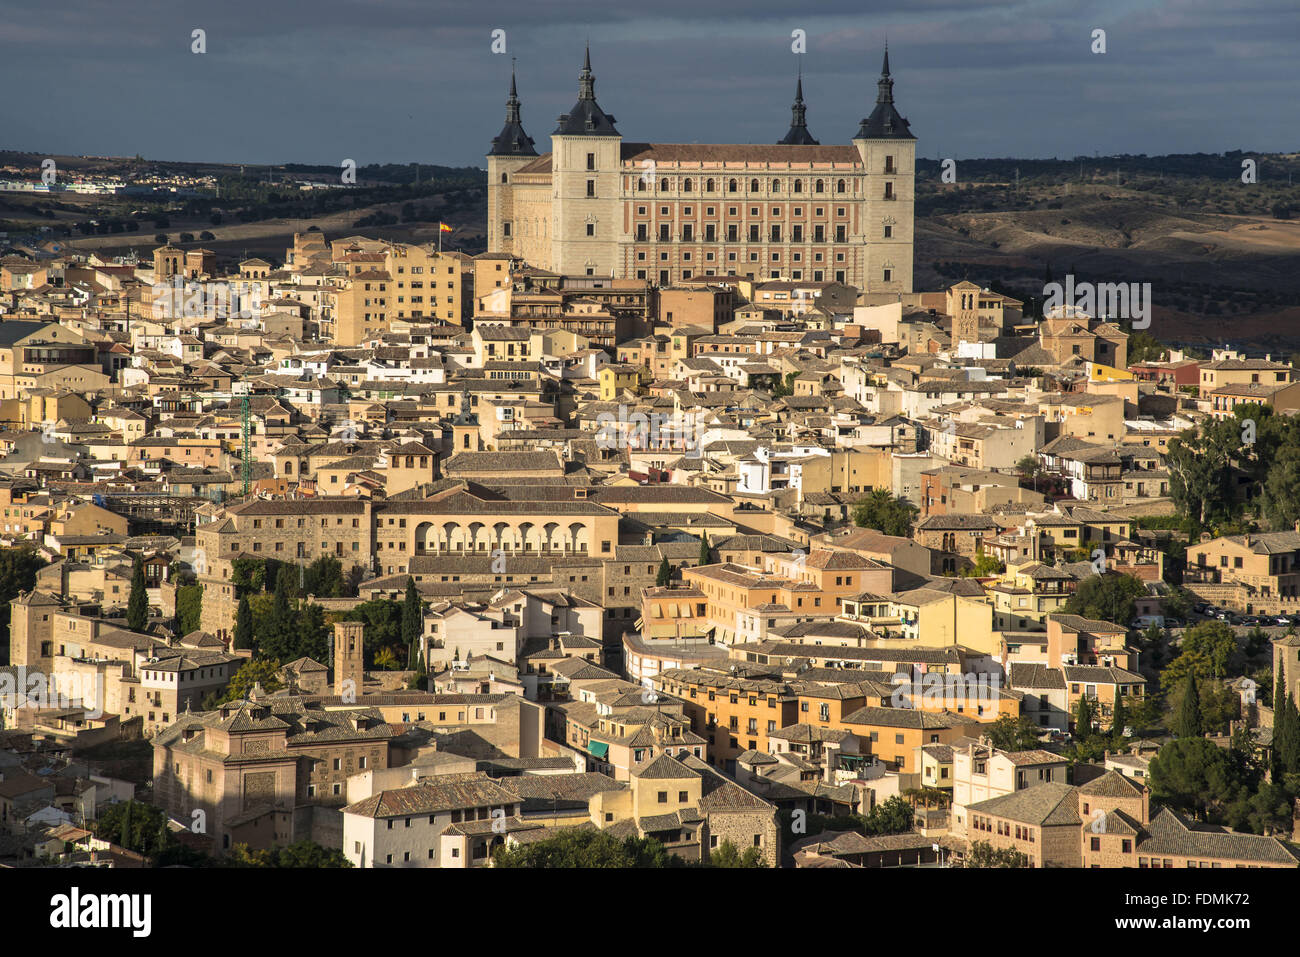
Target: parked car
<point>1282,621</point>
<point>1146,621</point>
<point>1175,623</point>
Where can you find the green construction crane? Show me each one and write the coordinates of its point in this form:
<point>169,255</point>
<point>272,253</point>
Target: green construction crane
<point>247,463</point>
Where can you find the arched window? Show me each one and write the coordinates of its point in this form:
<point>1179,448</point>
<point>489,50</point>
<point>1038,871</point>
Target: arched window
<point>732,186</point>
<point>503,177</point>
<point>798,186</point>
<point>686,185</point>
<point>663,185</point>
<point>640,186</point>
<point>819,187</point>
<point>839,186</point>
<point>776,186</point>
<point>753,186</point>
<point>708,185</point>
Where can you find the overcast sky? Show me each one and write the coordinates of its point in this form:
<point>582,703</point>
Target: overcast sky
<point>415,80</point>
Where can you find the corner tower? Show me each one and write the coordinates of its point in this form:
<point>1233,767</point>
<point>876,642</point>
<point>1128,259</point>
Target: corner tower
<point>511,150</point>
<point>888,151</point>
<point>798,134</point>
<point>586,161</point>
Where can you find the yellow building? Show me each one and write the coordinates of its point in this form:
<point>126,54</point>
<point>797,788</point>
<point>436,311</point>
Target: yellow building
<point>617,378</point>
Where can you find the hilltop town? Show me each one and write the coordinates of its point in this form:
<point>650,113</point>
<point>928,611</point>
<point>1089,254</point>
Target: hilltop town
<point>676,529</point>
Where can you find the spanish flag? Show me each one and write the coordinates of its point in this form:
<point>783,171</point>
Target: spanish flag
<point>444,228</point>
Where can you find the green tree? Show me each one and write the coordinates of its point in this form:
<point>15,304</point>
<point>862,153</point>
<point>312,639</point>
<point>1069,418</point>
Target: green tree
<point>1193,775</point>
<point>1028,467</point>
<point>892,816</point>
<point>665,574</point>
<point>263,671</point>
<point>137,605</point>
<point>1013,734</point>
<point>300,854</point>
<point>573,848</point>
<point>412,621</point>
<point>885,512</point>
<point>984,567</point>
<point>324,578</point>
<point>1286,730</point>
<point>383,628</point>
<point>277,633</point>
<point>243,624</point>
<point>1085,716</point>
<point>1200,463</point>
<point>1187,723</point>
<point>705,558</point>
<point>1280,493</point>
<point>18,567</point>
<point>1110,597</point>
<point>1119,718</point>
<point>983,854</point>
<point>189,607</point>
<point>312,633</point>
<point>1213,639</point>
<point>136,826</point>
<point>726,855</point>
<point>248,575</point>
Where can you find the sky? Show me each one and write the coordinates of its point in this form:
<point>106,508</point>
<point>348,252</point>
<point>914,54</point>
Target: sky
<point>400,81</point>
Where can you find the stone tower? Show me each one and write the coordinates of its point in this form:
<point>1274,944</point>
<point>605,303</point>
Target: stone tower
<point>586,163</point>
<point>965,313</point>
<point>465,434</point>
<point>888,151</point>
<point>349,663</point>
<point>31,628</point>
<point>1286,658</point>
<point>511,150</point>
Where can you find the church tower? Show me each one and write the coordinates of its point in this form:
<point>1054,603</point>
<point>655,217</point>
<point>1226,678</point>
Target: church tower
<point>511,150</point>
<point>349,663</point>
<point>586,161</point>
<point>798,134</point>
<point>465,435</point>
<point>888,151</point>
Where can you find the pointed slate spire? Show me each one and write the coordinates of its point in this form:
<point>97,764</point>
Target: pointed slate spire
<point>885,122</point>
<point>586,82</point>
<point>798,134</point>
<point>586,118</point>
<point>512,140</point>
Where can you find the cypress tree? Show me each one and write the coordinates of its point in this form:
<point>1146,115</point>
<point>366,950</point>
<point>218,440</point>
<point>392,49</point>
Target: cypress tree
<point>412,619</point>
<point>243,624</point>
<point>1286,730</point>
<point>1187,724</point>
<point>1119,718</point>
<point>1083,718</point>
<point>137,606</point>
<point>705,559</point>
<point>665,573</point>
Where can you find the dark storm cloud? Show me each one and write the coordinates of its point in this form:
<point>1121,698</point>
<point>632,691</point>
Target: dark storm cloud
<point>399,81</point>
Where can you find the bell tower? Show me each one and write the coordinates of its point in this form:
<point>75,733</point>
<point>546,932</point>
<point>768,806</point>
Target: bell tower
<point>349,660</point>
